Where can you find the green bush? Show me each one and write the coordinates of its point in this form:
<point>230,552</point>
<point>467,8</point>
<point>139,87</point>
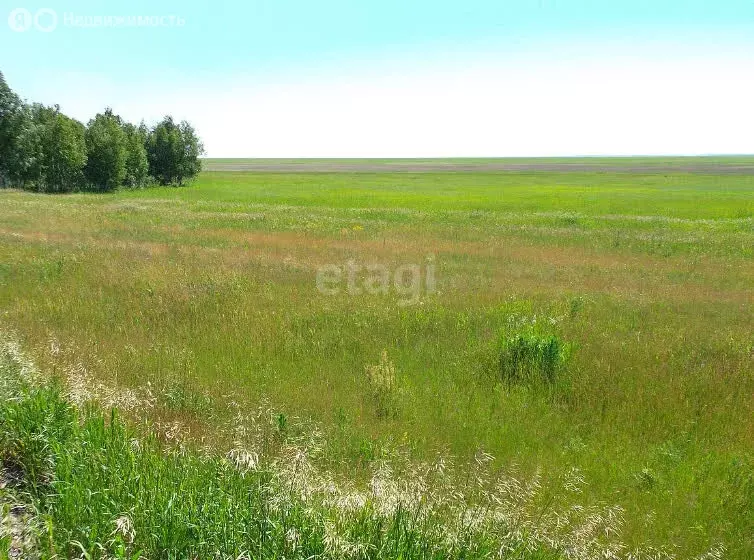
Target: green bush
<point>532,359</point>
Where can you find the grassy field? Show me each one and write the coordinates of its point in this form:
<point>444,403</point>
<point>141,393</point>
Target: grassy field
<point>205,299</point>
<point>81,483</point>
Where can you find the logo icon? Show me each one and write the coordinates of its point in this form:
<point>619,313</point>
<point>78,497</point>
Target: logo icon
<point>20,19</point>
<point>44,20</point>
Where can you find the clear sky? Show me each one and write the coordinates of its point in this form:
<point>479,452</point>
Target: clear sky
<point>402,78</point>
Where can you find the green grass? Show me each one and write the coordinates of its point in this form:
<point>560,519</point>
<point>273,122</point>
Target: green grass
<point>593,194</point>
<point>207,295</point>
<point>531,359</point>
<point>98,489</point>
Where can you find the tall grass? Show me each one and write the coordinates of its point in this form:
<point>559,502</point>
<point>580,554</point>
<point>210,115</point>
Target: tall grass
<point>383,388</point>
<point>84,484</point>
<point>197,299</point>
<point>531,359</point>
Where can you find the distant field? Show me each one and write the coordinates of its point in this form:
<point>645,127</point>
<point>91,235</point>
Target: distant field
<point>642,266</point>
<point>713,165</point>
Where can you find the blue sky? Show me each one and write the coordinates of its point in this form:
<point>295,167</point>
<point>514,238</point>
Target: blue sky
<point>406,78</point>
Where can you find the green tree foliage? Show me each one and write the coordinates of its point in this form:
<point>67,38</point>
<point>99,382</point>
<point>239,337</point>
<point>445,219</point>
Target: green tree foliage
<point>191,165</point>
<point>107,153</point>
<point>14,119</point>
<point>57,151</point>
<point>173,151</point>
<point>42,149</point>
<point>137,164</point>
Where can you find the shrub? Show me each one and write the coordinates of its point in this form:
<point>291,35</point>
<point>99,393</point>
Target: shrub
<point>532,359</point>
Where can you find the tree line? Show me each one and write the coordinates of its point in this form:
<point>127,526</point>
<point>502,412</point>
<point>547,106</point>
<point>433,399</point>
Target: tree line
<point>42,149</point>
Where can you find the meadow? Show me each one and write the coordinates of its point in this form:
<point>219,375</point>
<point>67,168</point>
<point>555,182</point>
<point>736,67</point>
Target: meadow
<point>203,301</point>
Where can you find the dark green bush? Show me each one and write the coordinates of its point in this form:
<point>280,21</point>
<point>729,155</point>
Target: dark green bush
<point>531,359</point>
